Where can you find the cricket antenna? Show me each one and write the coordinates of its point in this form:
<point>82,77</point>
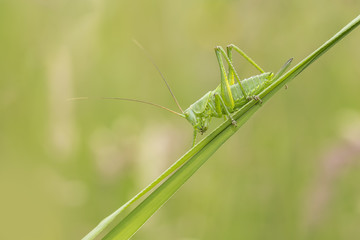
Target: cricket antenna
<point>131,100</point>
<point>158,69</point>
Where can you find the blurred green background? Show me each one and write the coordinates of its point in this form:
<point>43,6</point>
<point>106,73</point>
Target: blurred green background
<point>291,172</point>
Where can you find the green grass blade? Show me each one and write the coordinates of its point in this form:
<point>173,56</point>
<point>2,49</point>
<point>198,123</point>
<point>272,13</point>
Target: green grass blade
<point>187,165</point>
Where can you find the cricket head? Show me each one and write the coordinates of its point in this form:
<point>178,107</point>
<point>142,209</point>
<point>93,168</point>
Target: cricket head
<point>198,121</point>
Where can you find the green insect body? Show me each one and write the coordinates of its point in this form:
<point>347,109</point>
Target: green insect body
<point>210,105</point>
<point>229,96</point>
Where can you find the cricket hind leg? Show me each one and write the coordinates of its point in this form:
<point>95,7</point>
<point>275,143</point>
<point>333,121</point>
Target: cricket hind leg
<point>242,53</point>
<point>229,48</point>
<point>220,51</point>
<point>231,76</point>
<point>225,84</point>
<point>225,89</point>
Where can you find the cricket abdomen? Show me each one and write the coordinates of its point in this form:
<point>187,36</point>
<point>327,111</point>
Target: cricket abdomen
<point>252,86</point>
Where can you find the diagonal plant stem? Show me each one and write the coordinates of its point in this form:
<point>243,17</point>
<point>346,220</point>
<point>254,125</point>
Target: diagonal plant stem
<point>188,164</point>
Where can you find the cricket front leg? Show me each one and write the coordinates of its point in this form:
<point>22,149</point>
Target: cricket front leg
<point>242,53</point>
<point>194,138</point>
